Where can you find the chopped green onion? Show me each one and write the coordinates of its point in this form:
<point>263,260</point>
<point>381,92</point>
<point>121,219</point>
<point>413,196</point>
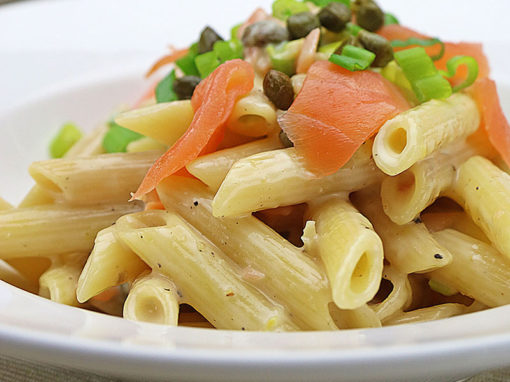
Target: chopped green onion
<point>348,63</point>
<point>425,79</point>
<point>187,63</point>
<point>66,137</point>
<point>421,42</point>
<point>452,66</point>
<point>165,89</point>
<point>283,56</point>
<point>206,63</point>
<point>441,288</point>
<point>117,138</point>
<point>394,73</point>
<point>331,48</point>
<point>353,29</point>
<point>323,3</point>
<point>353,58</point>
<point>228,50</point>
<point>282,9</point>
<point>234,30</point>
<point>390,19</point>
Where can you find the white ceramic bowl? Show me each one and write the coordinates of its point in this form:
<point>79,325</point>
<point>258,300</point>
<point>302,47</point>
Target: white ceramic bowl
<point>37,329</point>
<point>34,328</point>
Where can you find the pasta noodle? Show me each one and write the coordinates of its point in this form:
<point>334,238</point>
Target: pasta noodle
<point>175,249</point>
<point>280,178</point>
<point>254,246</point>
<point>351,251</point>
<point>212,168</point>
<point>477,270</point>
<point>482,189</point>
<point>51,230</point>
<point>153,298</point>
<point>417,133</point>
<point>109,178</point>
<point>110,264</point>
<point>253,115</point>
<point>409,248</point>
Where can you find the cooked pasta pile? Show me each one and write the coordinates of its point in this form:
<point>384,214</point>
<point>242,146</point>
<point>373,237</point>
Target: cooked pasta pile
<point>325,168</point>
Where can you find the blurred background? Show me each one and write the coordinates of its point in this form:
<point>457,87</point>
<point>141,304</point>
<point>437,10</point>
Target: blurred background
<point>44,43</point>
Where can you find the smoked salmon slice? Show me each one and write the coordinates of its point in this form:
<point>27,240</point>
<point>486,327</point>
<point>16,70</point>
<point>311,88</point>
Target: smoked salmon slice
<point>493,119</point>
<point>213,102</point>
<point>336,111</point>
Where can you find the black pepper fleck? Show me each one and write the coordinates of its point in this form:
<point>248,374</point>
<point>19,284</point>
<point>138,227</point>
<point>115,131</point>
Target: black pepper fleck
<point>167,289</point>
<point>418,220</point>
<point>159,265</point>
<point>195,203</point>
<point>179,293</point>
<point>477,188</point>
<point>438,256</point>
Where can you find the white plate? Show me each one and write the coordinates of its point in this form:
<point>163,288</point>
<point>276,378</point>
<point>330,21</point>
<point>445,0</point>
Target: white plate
<point>37,329</point>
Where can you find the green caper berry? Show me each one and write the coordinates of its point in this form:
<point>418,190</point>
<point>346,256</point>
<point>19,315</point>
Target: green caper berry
<point>300,24</point>
<point>286,142</point>
<point>368,15</point>
<point>278,88</point>
<point>335,16</point>
<point>378,45</point>
<point>185,86</point>
<point>208,37</point>
<point>264,32</point>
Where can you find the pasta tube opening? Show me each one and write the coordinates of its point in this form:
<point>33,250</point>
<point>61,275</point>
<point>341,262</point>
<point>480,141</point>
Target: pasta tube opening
<point>413,135</point>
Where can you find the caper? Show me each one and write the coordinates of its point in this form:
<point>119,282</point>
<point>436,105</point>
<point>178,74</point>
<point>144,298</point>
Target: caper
<point>368,15</point>
<point>185,86</point>
<point>264,32</point>
<point>378,45</point>
<point>302,23</point>
<point>278,88</point>
<point>286,142</point>
<point>208,37</point>
<point>335,16</point>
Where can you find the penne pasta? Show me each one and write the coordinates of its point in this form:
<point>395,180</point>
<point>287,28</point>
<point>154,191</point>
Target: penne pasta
<point>90,144</point>
<point>431,313</point>
<point>153,298</point>
<point>45,231</point>
<point>414,134</point>
<point>457,220</point>
<point>362,317</point>
<point>253,115</point>
<point>404,196</point>
<point>398,299</point>
<point>145,144</point>
<point>110,263</point>
<point>477,269</point>
<point>165,122</point>
<point>268,259</point>
<point>180,252</point>
<point>212,168</point>
<point>483,190</point>
<point>59,282</point>
<point>350,250</point>
<point>409,248</point>
<point>280,178</point>
<point>108,178</point>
